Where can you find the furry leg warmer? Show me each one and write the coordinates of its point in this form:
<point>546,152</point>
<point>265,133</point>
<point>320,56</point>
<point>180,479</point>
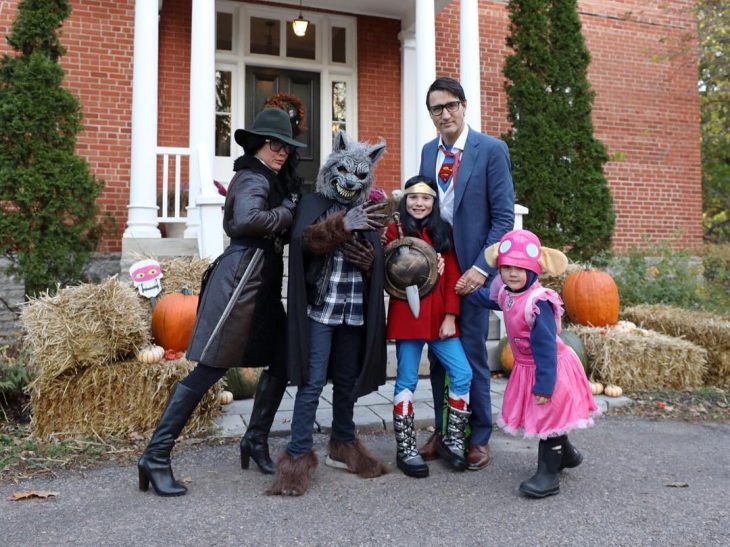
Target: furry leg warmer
<point>293,474</point>
<point>355,458</point>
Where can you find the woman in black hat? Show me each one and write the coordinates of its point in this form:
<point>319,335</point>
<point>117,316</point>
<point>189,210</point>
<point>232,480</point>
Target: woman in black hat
<point>241,319</point>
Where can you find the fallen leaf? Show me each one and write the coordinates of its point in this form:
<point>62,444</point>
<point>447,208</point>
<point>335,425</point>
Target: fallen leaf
<point>661,404</point>
<point>186,480</point>
<point>44,494</point>
<point>677,484</point>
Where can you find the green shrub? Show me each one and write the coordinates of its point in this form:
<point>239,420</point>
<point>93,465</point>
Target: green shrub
<point>716,263</point>
<point>659,275</point>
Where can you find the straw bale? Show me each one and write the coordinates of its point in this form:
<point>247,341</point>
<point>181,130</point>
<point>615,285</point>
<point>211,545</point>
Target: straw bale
<point>636,358</point>
<point>182,272</point>
<point>113,399</point>
<point>83,326</point>
<point>708,330</point>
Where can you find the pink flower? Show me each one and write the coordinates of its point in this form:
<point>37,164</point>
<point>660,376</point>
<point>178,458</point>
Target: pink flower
<point>377,194</point>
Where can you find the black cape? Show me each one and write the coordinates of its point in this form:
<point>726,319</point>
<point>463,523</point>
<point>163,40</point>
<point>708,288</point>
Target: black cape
<point>373,371</point>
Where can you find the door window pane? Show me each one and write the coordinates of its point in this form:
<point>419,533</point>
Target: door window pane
<point>339,107</point>
<point>264,35</point>
<point>301,47</point>
<point>224,31</point>
<point>339,45</point>
<point>222,113</point>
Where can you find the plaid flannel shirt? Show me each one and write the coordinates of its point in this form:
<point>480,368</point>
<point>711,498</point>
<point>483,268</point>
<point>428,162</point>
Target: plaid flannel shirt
<point>343,303</point>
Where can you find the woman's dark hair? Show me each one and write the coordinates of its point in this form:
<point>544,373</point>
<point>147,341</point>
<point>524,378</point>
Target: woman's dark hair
<point>288,175</point>
<point>438,230</point>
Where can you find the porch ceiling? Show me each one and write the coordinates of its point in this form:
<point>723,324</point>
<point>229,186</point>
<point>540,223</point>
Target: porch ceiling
<point>392,9</point>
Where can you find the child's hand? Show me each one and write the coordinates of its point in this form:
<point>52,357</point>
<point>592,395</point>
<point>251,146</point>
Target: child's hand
<point>441,264</point>
<point>448,327</point>
<point>541,399</point>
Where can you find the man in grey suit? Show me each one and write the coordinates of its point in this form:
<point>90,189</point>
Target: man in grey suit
<point>476,197</point>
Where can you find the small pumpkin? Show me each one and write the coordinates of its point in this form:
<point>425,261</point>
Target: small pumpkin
<point>173,320</point>
<point>613,391</point>
<point>573,341</point>
<point>596,388</point>
<point>505,356</point>
<point>150,354</point>
<point>225,397</point>
<point>591,298</point>
<point>242,382</point>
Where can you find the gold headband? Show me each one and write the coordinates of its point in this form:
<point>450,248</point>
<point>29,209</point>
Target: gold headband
<point>420,188</point>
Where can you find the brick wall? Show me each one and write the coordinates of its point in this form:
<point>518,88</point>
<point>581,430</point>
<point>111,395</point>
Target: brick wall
<point>646,112</point>
<point>378,83</point>
<point>643,71</point>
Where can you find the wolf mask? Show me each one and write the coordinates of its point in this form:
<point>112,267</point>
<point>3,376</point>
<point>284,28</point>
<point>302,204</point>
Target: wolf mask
<point>347,175</point>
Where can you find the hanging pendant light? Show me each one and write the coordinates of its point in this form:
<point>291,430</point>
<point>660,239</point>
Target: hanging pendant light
<point>300,24</point>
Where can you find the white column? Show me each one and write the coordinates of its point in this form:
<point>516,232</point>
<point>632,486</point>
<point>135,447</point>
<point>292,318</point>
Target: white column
<point>410,105</point>
<point>425,69</point>
<point>470,61</point>
<point>142,211</point>
<point>202,101</point>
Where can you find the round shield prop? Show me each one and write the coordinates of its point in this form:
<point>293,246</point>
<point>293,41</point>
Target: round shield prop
<point>410,261</point>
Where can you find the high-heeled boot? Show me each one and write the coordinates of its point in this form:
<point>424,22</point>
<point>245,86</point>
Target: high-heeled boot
<point>154,464</point>
<point>546,482</point>
<point>255,442</point>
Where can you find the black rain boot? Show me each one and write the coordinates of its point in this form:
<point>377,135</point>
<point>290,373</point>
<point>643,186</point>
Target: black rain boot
<point>571,456</point>
<point>546,481</point>
<point>451,446</point>
<point>407,457</point>
<point>154,464</point>
<point>255,442</point>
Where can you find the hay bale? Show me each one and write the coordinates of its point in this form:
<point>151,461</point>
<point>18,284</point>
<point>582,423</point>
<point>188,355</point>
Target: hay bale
<point>112,399</point>
<point>83,326</point>
<point>636,358</point>
<point>182,272</point>
<point>708,330</point>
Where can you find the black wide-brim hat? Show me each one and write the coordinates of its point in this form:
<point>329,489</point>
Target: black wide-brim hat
<point>270,122</point>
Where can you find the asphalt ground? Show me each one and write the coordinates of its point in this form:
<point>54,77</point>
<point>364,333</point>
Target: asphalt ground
<point>643,482</point>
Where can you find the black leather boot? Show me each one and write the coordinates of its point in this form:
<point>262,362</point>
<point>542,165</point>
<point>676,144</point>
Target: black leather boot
<point>451,446</point>
<point>407,457</point>
<point>571,456</point>
<point>255,442</point>
<point>154,465</point>
<point>546,481</point>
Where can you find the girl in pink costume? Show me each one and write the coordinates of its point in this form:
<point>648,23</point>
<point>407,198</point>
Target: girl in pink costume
<point>547,394</point>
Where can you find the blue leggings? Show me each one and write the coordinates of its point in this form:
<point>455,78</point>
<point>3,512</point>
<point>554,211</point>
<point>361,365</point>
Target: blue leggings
<point>450,352</point>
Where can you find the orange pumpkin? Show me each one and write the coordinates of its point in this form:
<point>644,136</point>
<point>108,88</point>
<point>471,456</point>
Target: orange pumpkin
<point>173,320</point>
<point>505,356</point>
<point>591,298</point>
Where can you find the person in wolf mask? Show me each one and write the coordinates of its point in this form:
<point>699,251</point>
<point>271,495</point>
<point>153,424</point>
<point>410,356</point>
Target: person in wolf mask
<point>241,319</point>
<point>336,316</point>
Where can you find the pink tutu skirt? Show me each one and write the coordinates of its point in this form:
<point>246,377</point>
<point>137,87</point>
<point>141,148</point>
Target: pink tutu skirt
<point>571,405</point>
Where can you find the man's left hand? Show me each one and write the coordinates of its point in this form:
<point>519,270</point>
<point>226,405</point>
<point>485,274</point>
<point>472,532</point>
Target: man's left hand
<point>470,281</point>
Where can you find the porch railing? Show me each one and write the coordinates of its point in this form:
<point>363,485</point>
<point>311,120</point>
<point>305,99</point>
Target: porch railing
<point>172,157</point>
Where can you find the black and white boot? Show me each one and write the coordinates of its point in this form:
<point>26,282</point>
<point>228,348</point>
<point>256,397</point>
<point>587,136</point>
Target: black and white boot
<point>407,457</point>
<point>451,446</point>
<point>546,481</point>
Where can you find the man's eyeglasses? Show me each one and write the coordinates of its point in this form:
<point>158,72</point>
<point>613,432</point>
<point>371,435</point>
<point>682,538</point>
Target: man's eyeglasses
<point>438,109</point>
<point>277,146</point>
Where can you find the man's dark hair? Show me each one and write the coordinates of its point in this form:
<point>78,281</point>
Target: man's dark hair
<point>449,85</point>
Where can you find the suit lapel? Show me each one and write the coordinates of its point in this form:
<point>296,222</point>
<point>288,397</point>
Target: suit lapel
<point>466,166</point>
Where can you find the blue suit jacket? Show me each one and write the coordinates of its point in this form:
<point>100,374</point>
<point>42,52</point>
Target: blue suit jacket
<point>484,200</point>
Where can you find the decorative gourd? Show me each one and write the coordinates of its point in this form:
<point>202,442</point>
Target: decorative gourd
<point>591,298</point>
<point>596,388</point>
<point>150,354</point>
<point>173,320</point>
<point>242,382</point>
<point>225,397</point>
<point>505,356</point>
<point>613,391</point>
<point>576,344</point>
